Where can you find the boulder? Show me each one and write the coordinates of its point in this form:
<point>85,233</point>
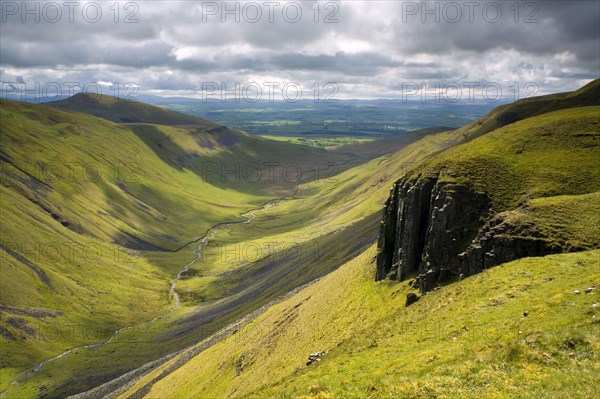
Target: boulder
<point>314,357</point>
<point>411,298</point>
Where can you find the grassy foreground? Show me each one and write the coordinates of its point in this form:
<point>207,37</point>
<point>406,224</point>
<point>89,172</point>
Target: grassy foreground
<point>470,339</point>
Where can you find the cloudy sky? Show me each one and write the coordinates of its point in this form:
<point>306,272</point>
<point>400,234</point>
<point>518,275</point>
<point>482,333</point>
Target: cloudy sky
<point>367,49</point>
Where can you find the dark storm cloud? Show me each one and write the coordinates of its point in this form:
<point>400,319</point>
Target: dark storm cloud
<point>356,64</point>
<point>377,42</point>
<point>73,54</point>
<point>547,28</point>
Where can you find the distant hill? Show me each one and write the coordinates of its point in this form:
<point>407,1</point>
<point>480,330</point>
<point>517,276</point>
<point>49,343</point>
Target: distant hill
<point>388,145</point>
<point>127,111</point>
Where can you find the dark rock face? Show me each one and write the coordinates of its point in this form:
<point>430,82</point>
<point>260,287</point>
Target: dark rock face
<point>438,231</point>
<point>387,234</point>
<point>403,230</point>
<point>456,213</point>
<point>426,224</point>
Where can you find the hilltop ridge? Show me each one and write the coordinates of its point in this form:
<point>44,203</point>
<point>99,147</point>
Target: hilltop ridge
<point>124,110</point>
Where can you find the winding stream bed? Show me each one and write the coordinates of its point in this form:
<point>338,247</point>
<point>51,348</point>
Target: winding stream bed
<point>204,239</point>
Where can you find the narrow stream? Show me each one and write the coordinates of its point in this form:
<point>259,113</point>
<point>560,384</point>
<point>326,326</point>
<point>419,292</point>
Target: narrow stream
<point>204,239</point>
<point>210,234</point>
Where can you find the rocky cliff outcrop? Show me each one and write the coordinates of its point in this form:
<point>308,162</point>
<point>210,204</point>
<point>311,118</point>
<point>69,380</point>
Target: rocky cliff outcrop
<point>425,225</point>
<point>435,231</point>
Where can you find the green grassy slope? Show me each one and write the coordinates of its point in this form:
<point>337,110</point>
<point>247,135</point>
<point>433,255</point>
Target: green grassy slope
<point>105,181</point>
<point>469,339</point>
<point>588,95</point>
<point>74,184</point>
<point>142,182</point>
<point>551,154</point>
<point>60,289</point>
<point>571,222</point>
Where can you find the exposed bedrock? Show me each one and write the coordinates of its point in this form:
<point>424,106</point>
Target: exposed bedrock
<point>437,231</point>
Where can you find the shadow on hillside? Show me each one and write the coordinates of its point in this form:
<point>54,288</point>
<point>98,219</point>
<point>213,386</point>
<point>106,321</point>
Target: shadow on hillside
<point>162,145</point>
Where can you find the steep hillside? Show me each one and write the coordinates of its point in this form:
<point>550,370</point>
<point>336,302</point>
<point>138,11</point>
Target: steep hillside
<point>588,95</point>
<point>472,334</point>
<point>60,289</point>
